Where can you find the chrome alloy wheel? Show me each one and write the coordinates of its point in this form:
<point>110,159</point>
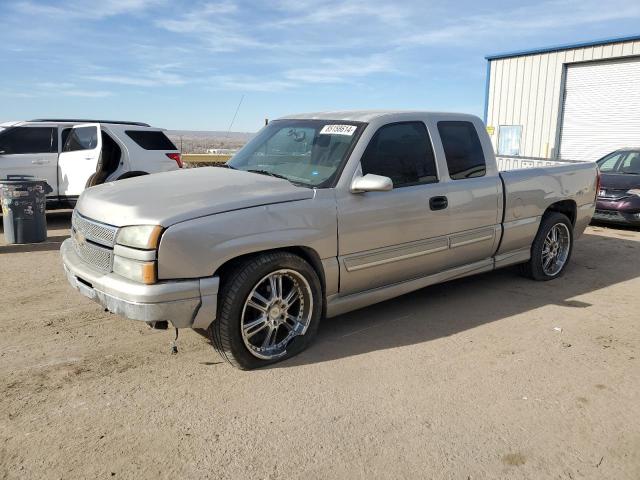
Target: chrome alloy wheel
<point>555,250</point>
<point>278,308</point>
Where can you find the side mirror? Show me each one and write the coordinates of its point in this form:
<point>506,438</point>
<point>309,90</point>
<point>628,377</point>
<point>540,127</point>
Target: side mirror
<point>371,183</point>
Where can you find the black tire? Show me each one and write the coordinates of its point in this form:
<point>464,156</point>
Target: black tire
<point>534,267</point>
<point>225,331</point>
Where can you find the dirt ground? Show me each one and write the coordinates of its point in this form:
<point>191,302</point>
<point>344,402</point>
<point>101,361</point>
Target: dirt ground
<point>487,377</point>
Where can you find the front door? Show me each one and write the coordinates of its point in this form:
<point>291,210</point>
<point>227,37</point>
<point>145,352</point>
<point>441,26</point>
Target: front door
<point>30,151</point>
<point>387,237</point>
<point>79,158</point>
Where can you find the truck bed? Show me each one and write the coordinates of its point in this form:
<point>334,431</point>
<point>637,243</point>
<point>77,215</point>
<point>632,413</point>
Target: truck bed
<point>510,162</point>
<point>529,192</point>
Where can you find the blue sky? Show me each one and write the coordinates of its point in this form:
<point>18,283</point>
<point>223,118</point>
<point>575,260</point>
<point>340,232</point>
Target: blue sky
<point>186,65</point>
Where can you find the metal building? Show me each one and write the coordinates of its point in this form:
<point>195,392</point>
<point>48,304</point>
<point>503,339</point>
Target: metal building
<point>573,102</point>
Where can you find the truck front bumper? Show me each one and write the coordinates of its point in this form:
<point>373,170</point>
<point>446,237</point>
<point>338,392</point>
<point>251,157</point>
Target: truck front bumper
<point>183,303</point>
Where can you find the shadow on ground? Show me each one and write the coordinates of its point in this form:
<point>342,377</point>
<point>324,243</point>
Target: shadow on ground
<point>449,308</point>
<point>612,226</point>
<point>598,262</point>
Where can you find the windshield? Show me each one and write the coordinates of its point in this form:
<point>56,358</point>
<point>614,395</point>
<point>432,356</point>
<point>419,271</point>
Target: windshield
<point>622,162</point>
<point>306,152</point>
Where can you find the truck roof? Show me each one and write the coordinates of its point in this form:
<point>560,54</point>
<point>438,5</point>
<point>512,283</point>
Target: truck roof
<point>368,115</point>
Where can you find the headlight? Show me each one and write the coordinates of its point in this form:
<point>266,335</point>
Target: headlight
<point>140,236</point>
<point>143,272</point>
<point>634,191</point>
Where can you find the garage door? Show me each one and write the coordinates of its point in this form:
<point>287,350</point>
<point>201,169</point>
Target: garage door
<point>601,109</point>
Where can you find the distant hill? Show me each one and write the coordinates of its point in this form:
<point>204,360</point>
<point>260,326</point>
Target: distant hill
<point>199,141</point>
<point>211,134</point>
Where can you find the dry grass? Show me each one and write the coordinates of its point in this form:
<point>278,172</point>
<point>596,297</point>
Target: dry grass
<point>203,159</point>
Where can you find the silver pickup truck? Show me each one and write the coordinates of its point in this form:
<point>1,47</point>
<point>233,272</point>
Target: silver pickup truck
<point>318,215</point>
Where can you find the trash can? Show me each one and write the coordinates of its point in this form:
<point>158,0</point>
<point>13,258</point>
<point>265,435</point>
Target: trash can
<point>23,208</point>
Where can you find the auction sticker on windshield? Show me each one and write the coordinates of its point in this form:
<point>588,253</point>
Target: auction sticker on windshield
<point>338,130</point>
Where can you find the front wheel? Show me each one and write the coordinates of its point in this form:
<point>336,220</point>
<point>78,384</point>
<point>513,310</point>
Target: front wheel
<point>551,248</point>
<point>269,310</point>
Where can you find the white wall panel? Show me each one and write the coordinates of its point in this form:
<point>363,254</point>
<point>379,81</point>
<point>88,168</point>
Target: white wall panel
<point>527,90</point>
<point>601,109</point>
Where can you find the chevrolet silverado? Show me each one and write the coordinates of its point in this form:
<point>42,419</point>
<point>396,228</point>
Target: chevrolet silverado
<point>317,215</point>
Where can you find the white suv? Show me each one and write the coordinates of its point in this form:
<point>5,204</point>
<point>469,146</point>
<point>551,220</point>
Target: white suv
<point>72,155</point>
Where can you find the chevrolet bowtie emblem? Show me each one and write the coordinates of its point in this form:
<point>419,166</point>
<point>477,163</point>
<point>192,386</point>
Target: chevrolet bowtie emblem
<point>79,237</point>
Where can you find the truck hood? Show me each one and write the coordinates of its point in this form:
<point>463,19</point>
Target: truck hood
<point>172,197</point>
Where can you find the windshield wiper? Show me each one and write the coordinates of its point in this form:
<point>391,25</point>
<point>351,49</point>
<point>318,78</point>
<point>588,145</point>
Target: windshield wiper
<point>224,165</point>
<point>277,175</point>
<point>267,172</point>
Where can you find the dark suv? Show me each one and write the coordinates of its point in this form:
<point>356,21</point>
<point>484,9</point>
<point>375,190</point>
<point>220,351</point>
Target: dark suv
<point>619,193</point>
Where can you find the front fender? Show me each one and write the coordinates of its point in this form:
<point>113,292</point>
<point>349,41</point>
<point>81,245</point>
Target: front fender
<point>197,248</point>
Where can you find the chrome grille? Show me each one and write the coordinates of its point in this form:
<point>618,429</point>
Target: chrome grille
<point>94,231</point>
<point>93,241</point>
<point>98,257</point>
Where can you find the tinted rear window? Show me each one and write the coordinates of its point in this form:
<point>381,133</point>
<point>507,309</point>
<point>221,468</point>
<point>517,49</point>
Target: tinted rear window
<point>81,138</point>
<point>64,135</point>
<point>462,149</point>
<point>150,140</point>
<point>21,140</point>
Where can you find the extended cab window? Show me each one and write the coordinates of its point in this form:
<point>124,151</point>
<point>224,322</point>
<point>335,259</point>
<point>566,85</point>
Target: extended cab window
<point>402,152</point>
<point>81,138</point>
<point>21,140</point>
<point>462,149</point>
<point>151,140</point>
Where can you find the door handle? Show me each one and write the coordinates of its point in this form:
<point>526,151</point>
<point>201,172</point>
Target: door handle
<point>40,162</point>
<point>438,203</point>
<point>88,158</point>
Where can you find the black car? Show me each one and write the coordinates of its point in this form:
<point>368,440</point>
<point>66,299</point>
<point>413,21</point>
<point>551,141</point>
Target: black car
<point>619,194</point>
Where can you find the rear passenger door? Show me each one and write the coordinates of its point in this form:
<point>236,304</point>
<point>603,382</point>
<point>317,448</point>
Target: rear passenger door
<point>474,192</point>
<point>79,158</point>
<point>32,151</point>
<point>388,237</point>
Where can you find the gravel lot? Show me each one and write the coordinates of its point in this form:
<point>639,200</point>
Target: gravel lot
<point>486,377</point>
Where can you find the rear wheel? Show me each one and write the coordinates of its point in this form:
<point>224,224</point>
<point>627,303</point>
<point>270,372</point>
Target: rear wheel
<point>551,248</point>
<point>269,310</point>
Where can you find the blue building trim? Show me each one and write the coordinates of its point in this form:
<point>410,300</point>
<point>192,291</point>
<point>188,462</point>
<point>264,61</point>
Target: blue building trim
<point>487,79</point>
<point>557,48</point>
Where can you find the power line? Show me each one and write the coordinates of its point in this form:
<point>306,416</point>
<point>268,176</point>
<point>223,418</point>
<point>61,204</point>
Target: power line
<point>235,115</point>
